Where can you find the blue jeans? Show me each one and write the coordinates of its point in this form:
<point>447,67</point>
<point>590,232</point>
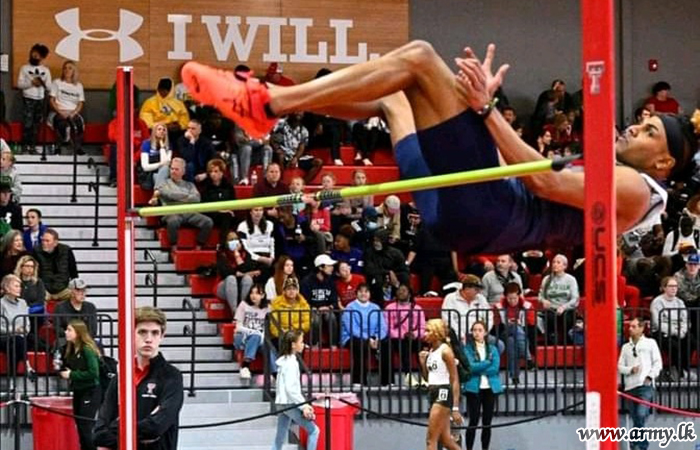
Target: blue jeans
<point>295,415</point>
<point>250,344</point>
<point>639,412</point>
<point>516,346</point>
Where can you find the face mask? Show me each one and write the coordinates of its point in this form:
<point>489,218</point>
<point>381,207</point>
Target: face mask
<point>372,226</point>
<point>34,61</point>
<point>233,245</point>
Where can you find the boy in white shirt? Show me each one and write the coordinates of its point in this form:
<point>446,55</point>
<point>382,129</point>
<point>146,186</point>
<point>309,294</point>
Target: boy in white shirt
<point>34,79</point>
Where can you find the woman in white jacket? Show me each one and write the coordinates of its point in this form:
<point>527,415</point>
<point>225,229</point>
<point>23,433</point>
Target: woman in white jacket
<point>289,392</point>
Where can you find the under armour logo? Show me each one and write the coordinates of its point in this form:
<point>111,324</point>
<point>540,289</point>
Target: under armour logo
<point>595,70</point>
<point>69,46</point>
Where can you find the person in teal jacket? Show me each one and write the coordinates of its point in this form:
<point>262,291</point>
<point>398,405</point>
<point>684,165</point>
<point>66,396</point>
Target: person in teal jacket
<point>484,384</point>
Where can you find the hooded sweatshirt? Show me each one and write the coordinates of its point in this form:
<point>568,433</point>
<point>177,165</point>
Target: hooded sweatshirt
<point>168,110</point>
<point>288,381</point>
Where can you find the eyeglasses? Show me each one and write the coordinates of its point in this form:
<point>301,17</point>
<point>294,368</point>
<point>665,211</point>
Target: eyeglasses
<point>634,351</point>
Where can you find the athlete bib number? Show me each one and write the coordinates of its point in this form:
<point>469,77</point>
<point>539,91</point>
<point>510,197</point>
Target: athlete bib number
<point>442,395</point>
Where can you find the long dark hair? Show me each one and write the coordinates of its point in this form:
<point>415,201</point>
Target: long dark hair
<point>288,338</point>
<point>251,226</point>
<point>261,290</point>
<point>472,341</point>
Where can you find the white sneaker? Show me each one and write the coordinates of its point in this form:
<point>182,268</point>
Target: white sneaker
<point>38,149</point>
<point>338,162</point>
<point>244,182</point>
<point>245,373</point>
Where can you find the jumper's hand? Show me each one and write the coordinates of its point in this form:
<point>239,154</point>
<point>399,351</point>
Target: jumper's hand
<point>477,79</point>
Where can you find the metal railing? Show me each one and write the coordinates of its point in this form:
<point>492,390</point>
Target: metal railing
<point>192,331</point>
<point>74,196</point>
<point>94,186</point>
<point>152,278</point>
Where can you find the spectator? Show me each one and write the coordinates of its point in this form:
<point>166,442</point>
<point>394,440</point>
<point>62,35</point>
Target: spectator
<point>67,99</point>
<point>10,175</point>
<point>57,266</point>
<point>641,114</point>
<point>405,321</point>
<point>688,280</point>
<point>271,184</point>
<point>328,181</point>
<point>156,155</point>
<point>343,251</point>
<point>251,151</point>
<point>368,135</point>
<point>358,204</point>
<point>430,257</point>
<point>411,224</point>
<point>34,231</point>
<point>296,186</point>
<point>255,233</point>
<point>196,150</point>
<point>319,290</point>
<point>660,101</point>
<point>217,189</point>
<point>274,75</point>
<point>164,107</point>
<point>141,134</point>
<point>76,308</point>
<point>284,268</point>
<point>325,131</point>
<point>15,331</point>
<point>176,191</point>
<point>33,289</point>
<point>290,140</point>
<point>639,364</point>
<point>250,327</point>
<point>35,80</point>
<point>221,133</point>
<point>364,331</point>
<point>517,329</point>
<point>290,311</point>
<point>81,367</point>
<point>544,142</point>
<point>389,217</point>
<point>510,115</point>
<point>495,280</point>
<point>319,219</point>
<point>669,323</point>
<point>158,391</point>
<point>346,284</point>
<point>559,299</point>
<point>236,270</point>
<point>460,309</point>
<point>12,250</point>
<point>684,239</point>
<point>483,386</point>
<point>10,212</point>
<point>297,240</point>
<point>385,268</point>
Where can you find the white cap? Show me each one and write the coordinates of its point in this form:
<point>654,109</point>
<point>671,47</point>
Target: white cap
<point>324,260</point>
<point>392,202</point>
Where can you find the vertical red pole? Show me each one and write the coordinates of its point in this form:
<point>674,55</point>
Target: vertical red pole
<point>125,258</point>
<point>600,209</point>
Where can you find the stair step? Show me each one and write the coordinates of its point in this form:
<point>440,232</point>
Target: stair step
<point>204,353</point>
<point>227,396</point>
<point>72,209</point>
<point>226,438</point>
<point>84,199</point>
<point>216,380</point>
<point>53,160</point>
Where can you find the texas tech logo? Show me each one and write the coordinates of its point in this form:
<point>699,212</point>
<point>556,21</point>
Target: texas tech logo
<point>69,46</point>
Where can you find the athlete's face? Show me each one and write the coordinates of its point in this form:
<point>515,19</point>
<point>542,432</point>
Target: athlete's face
<point>643,146</point>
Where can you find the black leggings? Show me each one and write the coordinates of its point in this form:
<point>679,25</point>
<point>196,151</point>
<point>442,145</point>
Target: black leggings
<point>85,404</point>
<point>480,405</point>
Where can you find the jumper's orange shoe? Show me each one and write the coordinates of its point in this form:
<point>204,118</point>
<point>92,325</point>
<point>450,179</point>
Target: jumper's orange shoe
<point>238,96</point>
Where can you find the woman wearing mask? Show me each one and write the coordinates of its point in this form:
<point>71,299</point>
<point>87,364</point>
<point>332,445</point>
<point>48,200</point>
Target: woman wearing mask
<point>236,269</point>
<point>81,367</point>
<point>289,392</point>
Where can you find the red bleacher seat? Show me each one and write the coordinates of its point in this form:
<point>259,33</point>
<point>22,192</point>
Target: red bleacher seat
<point>227,330</point>
<point>217,309</point>
<point>414,281</point>
<point>326,359</point>
<point>203,286</point>
<point>560,356</point>
<point>380,157</point>
<point>187,238</point>
<point>256,366</point>
<point>190,260</point>
<point>95,133</point>
<point>40,361</point>
<point>431,306</point>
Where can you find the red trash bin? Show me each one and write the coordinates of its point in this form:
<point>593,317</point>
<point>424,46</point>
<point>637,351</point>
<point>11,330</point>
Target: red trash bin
<point>342,421</point>
<point>52,431</point>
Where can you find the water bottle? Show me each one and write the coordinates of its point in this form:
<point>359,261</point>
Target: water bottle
<point>57,361</point>
<point>254,178</point>
<point>297,230</point>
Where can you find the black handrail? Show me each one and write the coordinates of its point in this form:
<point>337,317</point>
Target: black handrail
<point>94,186</point>
<point>187,305</point>
<point>152,278</point>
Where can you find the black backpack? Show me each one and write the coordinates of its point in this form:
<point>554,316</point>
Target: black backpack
<point>464,370</point>
<point>108,370</point>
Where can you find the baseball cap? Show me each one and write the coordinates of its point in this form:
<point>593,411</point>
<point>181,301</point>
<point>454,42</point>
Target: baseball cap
<point>693,259</point>
<point>392,202</point>
<point>77,283</point>
<point>291,283</point>
<point>324,260</point>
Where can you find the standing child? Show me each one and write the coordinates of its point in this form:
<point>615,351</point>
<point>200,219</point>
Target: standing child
<point>82,368</point>
<point>250,326</point>
<point>34,79</point>
<point>289,392</point>
<point>9,174</point>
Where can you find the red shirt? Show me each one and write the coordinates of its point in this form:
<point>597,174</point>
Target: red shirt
<point>347,291</point>
<point>670,105</point>
<point>140,374</point>
<point>141,133</point>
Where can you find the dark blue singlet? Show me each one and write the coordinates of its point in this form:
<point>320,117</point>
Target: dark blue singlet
<point>493,217</point>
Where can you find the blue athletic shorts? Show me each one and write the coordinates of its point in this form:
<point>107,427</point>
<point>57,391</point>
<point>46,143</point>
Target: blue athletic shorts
<point>492,217</point>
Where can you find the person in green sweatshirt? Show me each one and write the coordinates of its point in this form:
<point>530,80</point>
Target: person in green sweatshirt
<point>81,367</point>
